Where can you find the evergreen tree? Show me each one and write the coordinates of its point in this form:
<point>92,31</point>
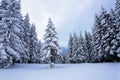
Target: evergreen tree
<point>104,36</point>
<point>51,49</point>
<point>27,33</point>
<point>81,57</point>
<point>7,32</point>
<point>22,29</point>
<point>16,42</point>
<point>88,47</point>
<point>113,33</point>
<point>75,48</point>
<point>117,11</point>
<point>33,44</point>
<point>96,33</point>
<point>104,24</point>
<point>39,55</point>
<point>70,48</point>
<point>109,37</point>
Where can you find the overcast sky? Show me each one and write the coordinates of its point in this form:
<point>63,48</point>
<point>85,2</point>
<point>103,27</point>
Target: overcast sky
<point>69,16</point>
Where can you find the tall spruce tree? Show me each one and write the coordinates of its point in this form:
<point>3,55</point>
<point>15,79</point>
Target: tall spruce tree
<point>51,49</point>
<point>39,55</point>
<point>88,47</point>
<point>96,33</point>
<point>16,42</point>
<point>70,48</point>
<point>7,32</point>
<point>103,17</point>
<point>114,31</point>
<point>75,48</point>
<point>5,59</point>
<point>33,44</point>
<point>109,37</point>
<point>27,33</point>
<point>81,49</point>
<point>117,11</point>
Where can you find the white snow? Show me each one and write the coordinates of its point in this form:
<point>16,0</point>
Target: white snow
<point>2,51</point>
<point>105,71</point>
<point>12,52</point>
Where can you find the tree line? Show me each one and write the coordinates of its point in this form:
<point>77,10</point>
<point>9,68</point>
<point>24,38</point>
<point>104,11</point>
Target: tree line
<point>103,44</point>
<point>18,38</point>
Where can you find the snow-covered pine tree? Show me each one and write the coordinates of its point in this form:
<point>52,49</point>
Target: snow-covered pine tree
<point>11,21</point>
<point>88,47</point>
<point>70,49</point>
<point>104,27</point>
<point>109,38</point>
<point>96,33</point>
<point>103,17</point>
<point>114,31</point>
<point>108,35</point>
<point>22,30</point>
<point>117,11</point>
<point>6,59</point>
<point>33,44</point>
<point>16,42</point>
<point>51,49</point>
<point>3,55</point>
<point>81,57</point>
<point>39,55</point>
<point>9,53</point>
<point>75,48</point>
<point>27,30</point>
<point>27,33</point>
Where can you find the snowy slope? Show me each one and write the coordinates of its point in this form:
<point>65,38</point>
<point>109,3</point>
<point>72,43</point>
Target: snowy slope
<point>106,71</point>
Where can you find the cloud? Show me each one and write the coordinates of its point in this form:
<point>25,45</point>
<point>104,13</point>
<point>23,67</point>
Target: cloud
<point>59,10</point>
<point>65,14</point>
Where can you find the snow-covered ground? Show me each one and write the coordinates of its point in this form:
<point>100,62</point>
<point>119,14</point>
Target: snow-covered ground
<point>105,71</point>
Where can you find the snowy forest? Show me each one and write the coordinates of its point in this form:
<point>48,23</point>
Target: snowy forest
<point>19,42</point>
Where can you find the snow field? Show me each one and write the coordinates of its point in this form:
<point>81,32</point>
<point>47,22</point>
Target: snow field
<point>105,71</point>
